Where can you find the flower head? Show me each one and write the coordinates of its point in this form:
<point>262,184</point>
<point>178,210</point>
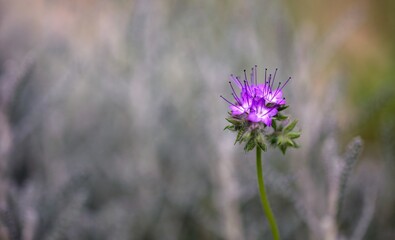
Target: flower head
<point>255,107</point>
<point>256,102</point>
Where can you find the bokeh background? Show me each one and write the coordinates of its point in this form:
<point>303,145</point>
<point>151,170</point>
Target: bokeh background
<point>111,124</point>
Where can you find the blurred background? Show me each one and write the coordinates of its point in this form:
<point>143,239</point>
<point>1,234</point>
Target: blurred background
<point>111,124</point>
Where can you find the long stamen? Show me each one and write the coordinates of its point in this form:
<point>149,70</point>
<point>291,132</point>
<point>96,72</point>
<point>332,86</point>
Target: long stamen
<point>277,91</point>
<point>252,76</point>
<point>265,75</point>
<point>245,75</point>
<point>281,88</point>
<point>266,89</point>
<point>237,81</point>
<point>270,80</point>
<point>256,75</point>
<point>271,86</point>
<point>247,86</point>
<point>234,93</point>
<point>231,86</point>
<point>228,101</point>
<point>237,99</point>
<point>285,83</point>
<point>274,76</point>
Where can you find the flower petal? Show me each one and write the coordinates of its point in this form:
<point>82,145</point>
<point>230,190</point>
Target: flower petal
<point>236,110</point>
<point>253,117</point>
<point>267,120</point>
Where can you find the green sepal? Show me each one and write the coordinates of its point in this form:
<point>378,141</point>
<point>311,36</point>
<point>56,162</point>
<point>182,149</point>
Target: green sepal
<point>283,148</point>
<point>249,145</point>
<point>281,140</point>
<point>234,121</point>
<point>230,128</point>
<point>253,135</point>
<point>290,126</point>
<point>280,117</point>
<point>293,135</point>
<point>282,108</point>
<point>274,124</point>
<point>260,142</point>
<point>283,144</point>
<point>290,143</point>
<point>239,136</point>
<point>270,105</point>
<point>246,137</point>
<point>273,140</point>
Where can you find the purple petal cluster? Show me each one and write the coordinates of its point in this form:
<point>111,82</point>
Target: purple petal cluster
<point>256,102</point>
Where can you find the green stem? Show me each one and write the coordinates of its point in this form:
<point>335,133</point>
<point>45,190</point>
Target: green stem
<point>264,200</point>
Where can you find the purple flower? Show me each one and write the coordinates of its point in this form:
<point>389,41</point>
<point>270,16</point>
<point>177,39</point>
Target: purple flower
<point>256,106</point>
<point>261,113</point>
<point>256,103</point>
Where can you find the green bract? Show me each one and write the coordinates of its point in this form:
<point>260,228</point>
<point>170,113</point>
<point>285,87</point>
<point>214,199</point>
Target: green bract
<point>281,134</point>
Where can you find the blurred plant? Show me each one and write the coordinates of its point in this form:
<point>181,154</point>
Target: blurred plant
<point>320,200</point>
